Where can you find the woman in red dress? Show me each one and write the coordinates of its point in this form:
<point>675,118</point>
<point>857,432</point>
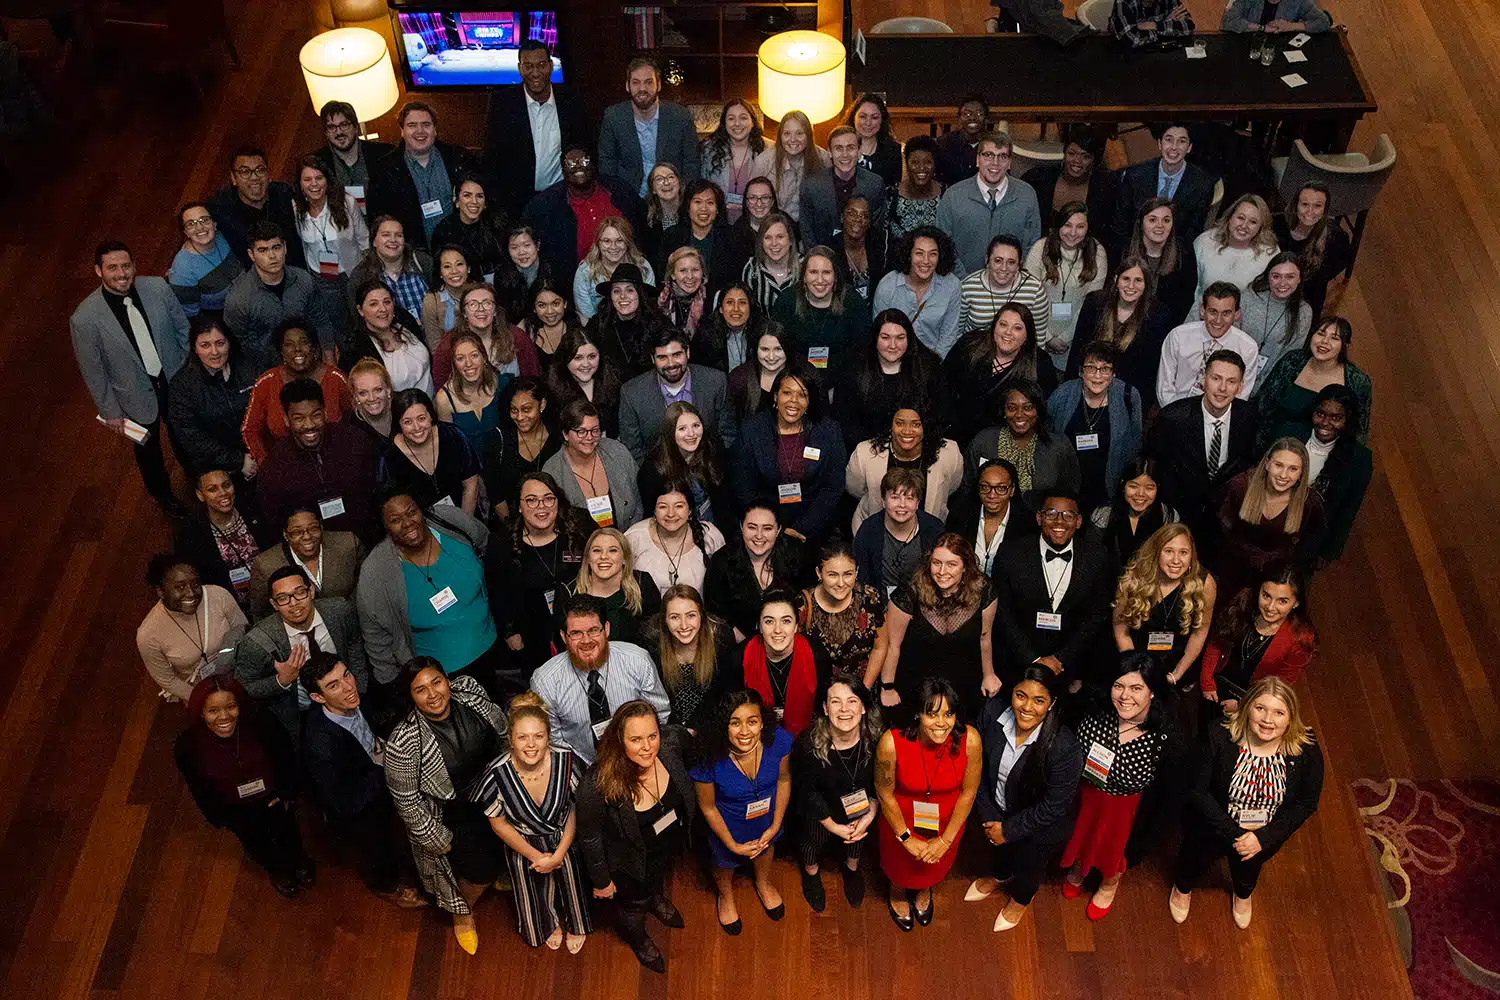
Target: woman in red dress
<point>927,777</point>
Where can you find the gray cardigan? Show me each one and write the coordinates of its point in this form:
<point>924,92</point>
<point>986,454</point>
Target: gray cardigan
<point>621,470</point>
<point>1124,424</point>
<point>965,216</point>
<point>381,592</point>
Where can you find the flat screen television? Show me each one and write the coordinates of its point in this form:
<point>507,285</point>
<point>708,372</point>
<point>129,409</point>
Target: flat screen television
<point>448,46</point>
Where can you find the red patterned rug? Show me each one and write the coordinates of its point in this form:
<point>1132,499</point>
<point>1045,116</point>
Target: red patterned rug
<point>1437,844</point>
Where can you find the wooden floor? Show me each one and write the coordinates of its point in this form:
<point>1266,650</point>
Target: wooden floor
<point>111,885</point>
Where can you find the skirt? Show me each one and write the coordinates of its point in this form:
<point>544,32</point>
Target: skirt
<point>1102,830</point>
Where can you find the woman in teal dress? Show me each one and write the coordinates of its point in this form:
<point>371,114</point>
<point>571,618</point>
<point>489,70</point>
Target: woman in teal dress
<point>1289,392</point>
<point>473,397</point>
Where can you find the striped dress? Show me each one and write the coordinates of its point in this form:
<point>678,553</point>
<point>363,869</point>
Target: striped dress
<point>558,898</point>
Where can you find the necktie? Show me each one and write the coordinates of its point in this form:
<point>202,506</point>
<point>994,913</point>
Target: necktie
<point>1064,556</point>
<point>991,199</point>
<point>1215,446</point>
<point>312,642</point>
<point>1163,187</point>
<point>150,360</point>
<point>598,704</point>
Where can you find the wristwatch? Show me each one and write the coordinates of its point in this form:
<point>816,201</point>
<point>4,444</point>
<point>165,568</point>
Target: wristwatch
<point>904,836</point>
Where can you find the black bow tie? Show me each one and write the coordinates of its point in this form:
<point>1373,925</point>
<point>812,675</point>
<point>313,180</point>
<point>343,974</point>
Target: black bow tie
<point>1064,556</point>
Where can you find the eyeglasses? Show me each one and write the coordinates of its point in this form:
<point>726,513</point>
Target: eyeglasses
<point>303,532</point>
<point>1098,369</point>
<point>204,223</point>
<point>998,489</point>
<point>593,632</point>
<point>759,199</point>
<point>580,161</point>
<point>338,127</point>
<point>1065,516</point>
<point>260,171</point>
<point>480,305</point>
<point>588,432</point>
<point>532,503</point>
<point>282,600</point>
<point>994,154</point>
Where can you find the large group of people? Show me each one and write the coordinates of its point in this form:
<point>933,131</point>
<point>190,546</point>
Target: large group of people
<point>562,506</point>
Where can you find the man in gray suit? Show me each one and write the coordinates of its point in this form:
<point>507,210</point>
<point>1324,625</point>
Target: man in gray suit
<point>644,399</point>
<point>637,134</point>
<point>825,193</point>
<point>989,204</point>
<point>269,659</point>
<point>130,337</point>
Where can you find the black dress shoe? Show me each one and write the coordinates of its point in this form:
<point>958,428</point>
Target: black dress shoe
<point>733,929</point>
<point>924,917</point>
<point>854,886</point>
<point>666,912</point>
<point>650,956</point>
<point>812,891</point>
<point>906,923</point>
<point>774,912</point>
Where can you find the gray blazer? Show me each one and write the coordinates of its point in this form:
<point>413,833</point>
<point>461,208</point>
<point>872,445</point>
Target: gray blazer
<point>252,313</point>
<point>256,656</point>
<point>620,149</point>
<point>107,356</point>
<point>966,217</point>
<point>642,409</point>
<point>1054,464</point>
<point>821,219</point>
<point>621,470</point>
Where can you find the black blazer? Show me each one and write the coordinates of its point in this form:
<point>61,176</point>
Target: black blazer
<point>510,151</point>
<point>1047,817</point>
<point>549,213</point>
<point>756,474</point>
<point>342,776</point>
<point>1176,441</point>
<point>1104,187</point>
<point>1195,192</point>
<point>609,834</point>
<point>1208,802</point>
<point>194,538</point>
<point>869,546</point>
<point>1021,589</point>
<point>393,192</point>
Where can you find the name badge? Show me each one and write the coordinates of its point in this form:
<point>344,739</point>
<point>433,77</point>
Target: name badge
<point>1087,442</point>
<point>789,492</point>
<point>598,729</point>
<point>432,209</point>
<point>328,264</point>
<point>1160,642</point>
<point>572,557</point>
<point>1062,311</point>
<point>817,357</point>
<point>358,190</point>
<point>890,590</point>
<point>442,600</point>
<point>855,802</point>
<point>667,819</point>
<point>549,594</point>
<point>925,816</point>
<point>602,511</point>
<point>250,788</point>
<point>446,501</point>
<point>1049,620</point>
<point>1254,819</point>
<point>812,454</point>
<point>758,808</point>
<point>239,574</point>
<point>730,198</point>
<point>331,508</point>
<point>780,714</point>
<point>1096,766</point>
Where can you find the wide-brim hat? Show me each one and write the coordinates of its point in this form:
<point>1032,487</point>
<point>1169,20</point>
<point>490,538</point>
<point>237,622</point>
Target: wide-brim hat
<point>626,271</point>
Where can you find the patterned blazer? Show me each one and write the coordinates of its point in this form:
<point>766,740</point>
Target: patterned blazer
<point>419,784</point>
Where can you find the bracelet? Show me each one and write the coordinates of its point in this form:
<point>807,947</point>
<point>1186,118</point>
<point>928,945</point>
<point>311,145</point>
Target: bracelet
<point>887,685</point>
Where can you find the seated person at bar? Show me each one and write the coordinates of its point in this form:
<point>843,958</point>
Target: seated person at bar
<point>1150,22</point>
<point>1274,16</point>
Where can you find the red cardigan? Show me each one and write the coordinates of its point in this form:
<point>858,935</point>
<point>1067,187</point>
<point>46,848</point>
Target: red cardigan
<point>527,358</point>
<point>264,419</point>
<point>1288,655</point>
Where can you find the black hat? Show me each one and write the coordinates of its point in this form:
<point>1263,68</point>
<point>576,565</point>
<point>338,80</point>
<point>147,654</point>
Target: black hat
<point>624,271</point>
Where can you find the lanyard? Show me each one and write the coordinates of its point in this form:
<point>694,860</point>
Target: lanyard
<point>925,776</point>
<point>202,641</point>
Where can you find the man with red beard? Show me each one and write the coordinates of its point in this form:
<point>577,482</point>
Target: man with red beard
<point>584,685</point>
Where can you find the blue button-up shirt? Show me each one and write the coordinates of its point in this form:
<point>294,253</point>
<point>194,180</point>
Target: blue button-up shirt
<point>356,726</point>
<point>1166,184</point>
<point>683,392</point>
<point>432,185</point>
<point>645,134</point>
<point>1010,753</point>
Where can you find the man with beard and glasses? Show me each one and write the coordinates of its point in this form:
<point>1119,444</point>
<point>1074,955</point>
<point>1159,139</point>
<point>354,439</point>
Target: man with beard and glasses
<point>645,398</point>
<point>584,685</point>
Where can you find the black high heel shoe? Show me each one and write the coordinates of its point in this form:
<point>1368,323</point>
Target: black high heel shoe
<point>907,922</point>
<point>924,917</point>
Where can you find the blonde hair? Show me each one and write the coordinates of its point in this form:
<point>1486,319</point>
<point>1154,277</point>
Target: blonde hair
<point>1138,590</point>
<point>1259,487</point>
<point>1265,240</point>
<point>595,257</point>
<point>678,255</point>
<point>629,585</point>
<point>528,705</point>
<point>1297,735</point>
<point>370,366</point>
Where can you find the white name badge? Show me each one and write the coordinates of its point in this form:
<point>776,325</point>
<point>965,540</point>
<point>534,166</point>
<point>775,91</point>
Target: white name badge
<point>758,808</point>
<point>890,590</point>
<point>1096,767</point>
<point>1062,312</point>
<point>331,508</point>
<point>1087,442</point>
<point>1254,819</point>
<point>667,819</point>
<point>730,198</point>
<point>446,501</point>
<point>1049,620</point>
<point>812,454</point>
<point>250,788</point>
<point>925,816</point>
<point>1160,642</point>
<point>432,209</point>
<point>549,594</point>
<point>598,729</point>
<point>358,190</point>
<point>780,714</point>
<point>789,492</point>
<point>239,574</point>
<point>602,511</point>
<point>817,357</point>
<point>328,264</point>
<point>442,600</point>
<point>855,802</point>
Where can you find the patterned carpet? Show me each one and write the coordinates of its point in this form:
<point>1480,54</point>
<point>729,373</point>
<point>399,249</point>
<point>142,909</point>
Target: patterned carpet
<point>1438,845</point>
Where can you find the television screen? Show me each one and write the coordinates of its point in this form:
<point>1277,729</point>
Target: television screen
<point>465,48</point>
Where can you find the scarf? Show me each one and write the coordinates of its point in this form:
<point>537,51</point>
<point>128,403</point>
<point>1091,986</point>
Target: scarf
<point>801,682</point>
<point>685,311</point>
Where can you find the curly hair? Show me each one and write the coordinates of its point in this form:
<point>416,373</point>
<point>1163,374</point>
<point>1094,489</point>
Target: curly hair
<point>1137,592</point>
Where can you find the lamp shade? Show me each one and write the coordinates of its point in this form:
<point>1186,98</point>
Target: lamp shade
<point>801,71</point>
<point>350,64</point>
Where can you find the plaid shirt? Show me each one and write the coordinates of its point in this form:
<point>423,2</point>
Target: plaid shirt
<point>408,288</point>
<point>1126,19</point>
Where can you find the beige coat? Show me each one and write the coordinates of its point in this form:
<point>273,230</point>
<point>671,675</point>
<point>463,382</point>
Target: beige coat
<point>867,467</point>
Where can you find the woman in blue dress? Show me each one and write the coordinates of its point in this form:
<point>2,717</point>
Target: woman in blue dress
<point>475,394</point>
<point>744,785</point>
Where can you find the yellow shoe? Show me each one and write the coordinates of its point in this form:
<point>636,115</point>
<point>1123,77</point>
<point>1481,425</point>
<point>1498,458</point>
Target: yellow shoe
<point>468,939</point>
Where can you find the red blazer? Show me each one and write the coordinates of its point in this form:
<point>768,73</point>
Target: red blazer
<point>527,358</point>
<point>1288,655</point>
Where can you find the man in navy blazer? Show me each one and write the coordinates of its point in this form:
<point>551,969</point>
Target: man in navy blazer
<point>825,193</point>
<point>890,549</point>
<point>1189,186</point>
<point>530,126</point>
<point>130,337</point>
<point>639,133</point>
<point>644,399</point>
<point>1054,594</point>
<point>342,758</point>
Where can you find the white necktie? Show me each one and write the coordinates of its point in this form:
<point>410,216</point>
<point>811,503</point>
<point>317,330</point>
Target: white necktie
<point>150,360</point>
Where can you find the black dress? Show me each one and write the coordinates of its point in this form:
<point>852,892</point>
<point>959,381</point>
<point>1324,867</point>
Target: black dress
<point>538,575</point>
<point>456,462</point>
<point>1091,461</point>
<point>505,469</point>
<point>941,645</point>
<point>1137,364</point>
<point>1161,633</point>
<point>468,743</point>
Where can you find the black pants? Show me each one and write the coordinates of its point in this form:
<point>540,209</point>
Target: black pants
<point>496,673</point>
<point>1023,862</point>
<point>634,900</point>
<point>381,853</point>
<point>475,851</point>
<point>1200,849</point>
<point>816,838</point>
<point>150,457</point>
<point>271,838</point>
